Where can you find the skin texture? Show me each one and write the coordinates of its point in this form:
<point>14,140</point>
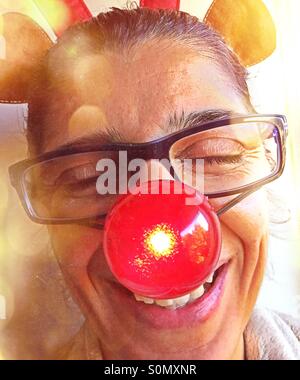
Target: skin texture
<point>136,94</point>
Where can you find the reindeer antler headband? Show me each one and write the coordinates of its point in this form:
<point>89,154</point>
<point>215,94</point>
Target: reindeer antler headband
<point>246,26</point>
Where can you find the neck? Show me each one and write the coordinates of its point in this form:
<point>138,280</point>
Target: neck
<point>239,353</point>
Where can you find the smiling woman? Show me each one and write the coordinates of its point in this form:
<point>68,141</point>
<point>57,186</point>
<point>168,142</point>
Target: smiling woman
<point>148,270</point>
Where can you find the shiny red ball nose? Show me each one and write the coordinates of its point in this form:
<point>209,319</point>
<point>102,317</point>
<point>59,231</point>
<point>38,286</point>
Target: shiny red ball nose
<point>162,245</point>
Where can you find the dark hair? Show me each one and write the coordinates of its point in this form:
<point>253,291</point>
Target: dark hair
<point>121,30</point>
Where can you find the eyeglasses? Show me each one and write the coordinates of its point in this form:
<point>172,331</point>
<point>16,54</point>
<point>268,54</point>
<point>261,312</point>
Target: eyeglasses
<point>238,155</point>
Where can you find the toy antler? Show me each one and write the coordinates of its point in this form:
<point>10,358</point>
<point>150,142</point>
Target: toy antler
<point>25,43</point>
<point>246,26</point>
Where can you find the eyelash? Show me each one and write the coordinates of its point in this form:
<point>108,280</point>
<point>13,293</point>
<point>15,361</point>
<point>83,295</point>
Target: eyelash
<point>220,159</point>
<point>75,175</point>
<point>223,160</point>
<point>82,184</point>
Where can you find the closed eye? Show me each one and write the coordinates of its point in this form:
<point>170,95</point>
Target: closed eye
<point>79,174</point>
<point>210,160</point>
<point>222,159</point>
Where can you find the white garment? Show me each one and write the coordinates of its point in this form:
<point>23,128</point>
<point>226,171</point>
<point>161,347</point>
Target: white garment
<point>272,336</point>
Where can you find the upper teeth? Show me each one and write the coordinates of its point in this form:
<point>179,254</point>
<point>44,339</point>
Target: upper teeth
<point>197,293</point>
<point>210,278</point>
<point>179,301</point>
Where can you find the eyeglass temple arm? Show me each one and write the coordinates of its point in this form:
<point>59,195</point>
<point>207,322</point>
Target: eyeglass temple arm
<point>236,200</point>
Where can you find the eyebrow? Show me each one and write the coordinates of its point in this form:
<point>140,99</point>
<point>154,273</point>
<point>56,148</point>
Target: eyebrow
<point>176,122</point>
<point>181,121</point>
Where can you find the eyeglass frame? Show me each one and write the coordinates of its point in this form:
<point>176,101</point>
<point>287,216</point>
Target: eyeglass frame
<point>158,149</point>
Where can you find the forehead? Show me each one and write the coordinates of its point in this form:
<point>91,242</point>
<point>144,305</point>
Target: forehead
<point>135,93</point>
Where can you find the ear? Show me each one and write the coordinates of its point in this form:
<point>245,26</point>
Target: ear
<point>24,43</point>
<point>246,26</point>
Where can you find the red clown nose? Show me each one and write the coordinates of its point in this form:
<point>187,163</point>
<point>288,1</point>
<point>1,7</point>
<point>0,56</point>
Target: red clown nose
<point>162,240</point>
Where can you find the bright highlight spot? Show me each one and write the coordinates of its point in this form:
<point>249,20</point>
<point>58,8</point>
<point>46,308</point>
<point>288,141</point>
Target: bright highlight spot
<point>56,12</point>
<point>7,303</point>
<point>1,25</point>
<point>160,241</point>
<point>2,48</point>
<point>2,307</point>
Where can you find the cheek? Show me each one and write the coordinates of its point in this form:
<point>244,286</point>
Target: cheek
<point>245,234</point>
<point>248,220</point>
<point>74,246</point>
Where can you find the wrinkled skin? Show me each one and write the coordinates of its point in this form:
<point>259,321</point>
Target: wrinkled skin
<point>136,94</point>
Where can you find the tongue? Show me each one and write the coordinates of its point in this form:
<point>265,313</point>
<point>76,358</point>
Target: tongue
<point>162,245</point>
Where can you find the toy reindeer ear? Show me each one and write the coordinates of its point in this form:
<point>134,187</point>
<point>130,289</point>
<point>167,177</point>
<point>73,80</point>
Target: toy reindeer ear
<point>23,43</point>
<point>246,26</point>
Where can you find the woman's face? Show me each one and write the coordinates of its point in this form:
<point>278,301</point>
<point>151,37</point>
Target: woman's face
<point>135,96</point>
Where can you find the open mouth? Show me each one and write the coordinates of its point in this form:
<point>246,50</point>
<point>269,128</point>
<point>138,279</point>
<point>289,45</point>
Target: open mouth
<point>173,303</point>
<point>193,308</point>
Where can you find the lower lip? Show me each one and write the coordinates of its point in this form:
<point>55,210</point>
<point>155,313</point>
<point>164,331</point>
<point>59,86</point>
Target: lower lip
<point>161,318</point>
